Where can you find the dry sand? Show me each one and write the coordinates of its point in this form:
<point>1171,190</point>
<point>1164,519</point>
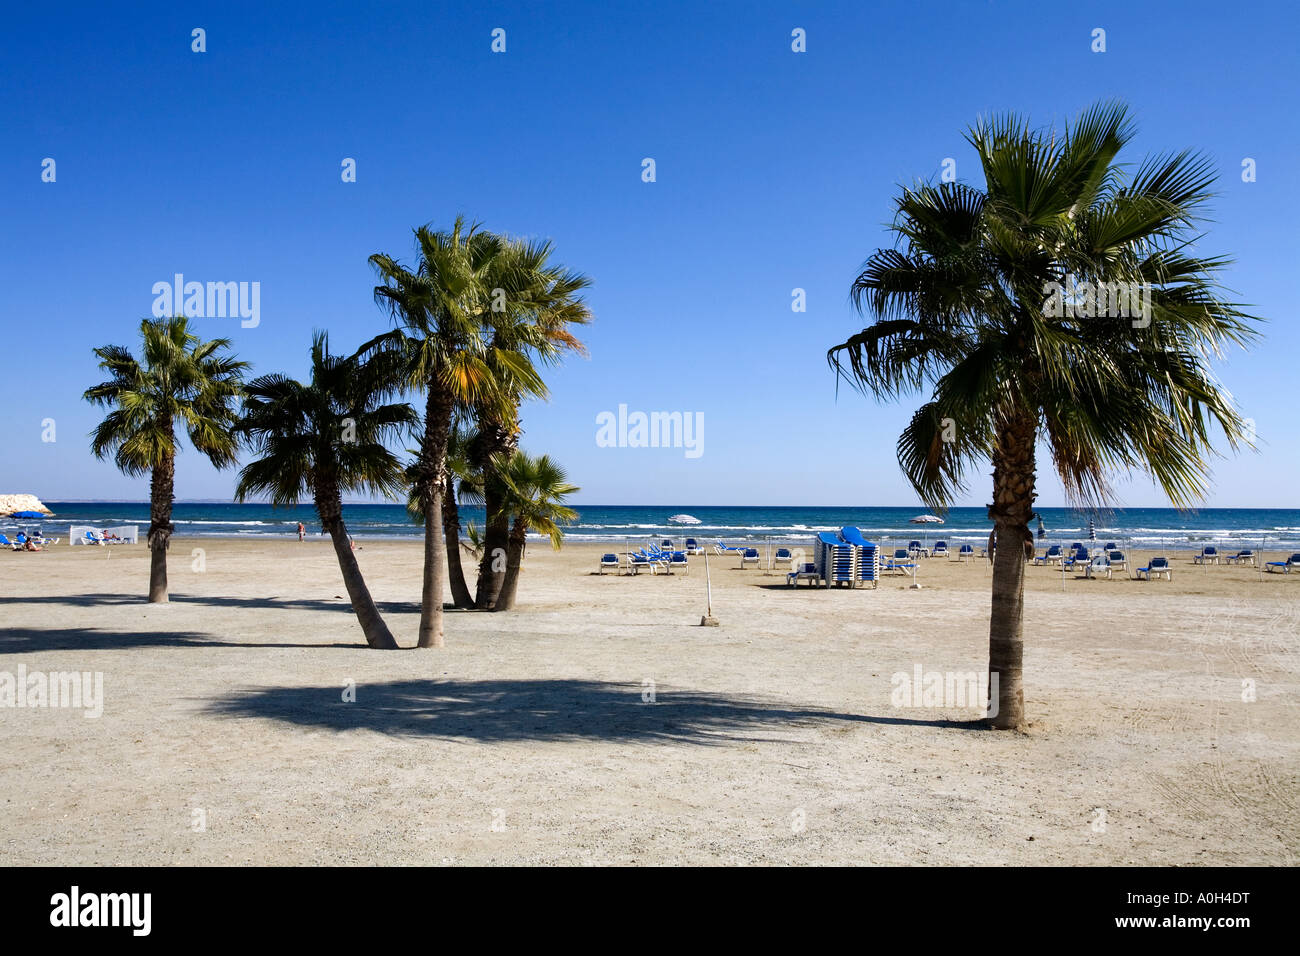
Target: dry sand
<point>772,739</point>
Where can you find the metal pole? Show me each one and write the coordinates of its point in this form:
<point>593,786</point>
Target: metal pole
<point>708,620</point>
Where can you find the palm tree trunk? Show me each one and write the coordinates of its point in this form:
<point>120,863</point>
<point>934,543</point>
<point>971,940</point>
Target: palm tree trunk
<point>514,561</point>
<point>161,492</point>
<point>1012,508</point>
<point>433,468</point>
<point>329,505</point>
<point>460,595</point>
<point>497,443</point>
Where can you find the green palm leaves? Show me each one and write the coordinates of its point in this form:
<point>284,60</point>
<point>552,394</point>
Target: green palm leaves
<point>330,432</point>
<point>179,380</point>
<point>537,489</point>
<point>963,311</point>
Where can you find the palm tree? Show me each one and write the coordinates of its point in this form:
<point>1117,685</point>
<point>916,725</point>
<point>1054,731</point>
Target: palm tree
<point>179,380</point>
<point>435,308</point>
<point>323,439</point>
<point>463,485</point>
<point>527,310</point>
<point>537,488</point>
<point>969,306</point>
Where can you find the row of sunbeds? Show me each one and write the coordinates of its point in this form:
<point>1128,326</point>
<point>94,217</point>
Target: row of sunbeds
<point>1111,559</point>
<point>24,542</point>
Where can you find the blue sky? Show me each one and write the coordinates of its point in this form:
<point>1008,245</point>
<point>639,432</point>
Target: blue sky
<point>775,170</point>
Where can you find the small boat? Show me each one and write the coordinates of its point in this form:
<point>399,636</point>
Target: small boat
<point>683,519</point>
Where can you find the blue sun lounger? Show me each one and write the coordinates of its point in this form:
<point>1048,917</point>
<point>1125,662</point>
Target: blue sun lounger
<point>1052,555</point>
<point>900,562</point>
<point>1155,569</point>
<point>1285,566</point>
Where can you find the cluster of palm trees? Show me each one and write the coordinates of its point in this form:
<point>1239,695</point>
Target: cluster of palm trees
<point>476,315</point>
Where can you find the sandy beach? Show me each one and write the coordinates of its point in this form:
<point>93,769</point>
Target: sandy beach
<point>600,724</point>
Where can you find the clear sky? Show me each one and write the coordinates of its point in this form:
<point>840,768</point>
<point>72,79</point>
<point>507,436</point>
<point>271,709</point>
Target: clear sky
<point>775,170</point>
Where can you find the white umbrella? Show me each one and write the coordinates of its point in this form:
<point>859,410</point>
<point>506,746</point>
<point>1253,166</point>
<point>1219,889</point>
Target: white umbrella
<point>927,519</point>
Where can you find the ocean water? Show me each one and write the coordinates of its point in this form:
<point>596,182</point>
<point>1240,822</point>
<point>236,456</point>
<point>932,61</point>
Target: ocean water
<point>1135,527</point>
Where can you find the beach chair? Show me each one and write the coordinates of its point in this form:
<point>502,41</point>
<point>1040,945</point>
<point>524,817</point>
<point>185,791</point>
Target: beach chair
<point>782,555</point>
<point>917,549</point>
<point>1284,566</point>
<point>608,561</point>
<point>667,544</point>
<point>1244,556</point>
<point>677,559</point>
<point>725,549</point>
<point>1110,546</point>
<point>748,556</point>
<point>1052,555</point>
<point>638,562</point>
<point>1117,560</point>
<point>693,546</point>
<point>659,560</point>
<point>1208,555</point>
<point>965,553</point>
<point>6,543</point>
<point>805,572</point>
<point>940,550</point>
<point>1157,567</point>
<point>1097,567</point>
<point>900,562</point>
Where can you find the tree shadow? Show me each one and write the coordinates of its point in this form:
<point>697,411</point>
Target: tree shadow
<point>29,640</point>
<point>496,711</point>
<point>212,600</point>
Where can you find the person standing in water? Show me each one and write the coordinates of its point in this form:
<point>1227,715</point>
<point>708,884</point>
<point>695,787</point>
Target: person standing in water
<point>302,531</point>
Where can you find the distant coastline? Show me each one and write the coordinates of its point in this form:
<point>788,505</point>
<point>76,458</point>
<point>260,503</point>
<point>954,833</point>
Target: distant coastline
<point>1136,527</point>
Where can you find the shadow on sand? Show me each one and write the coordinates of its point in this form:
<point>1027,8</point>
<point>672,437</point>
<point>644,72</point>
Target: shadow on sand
<point>209,600</point>
<point>550,710</point>
<point>30,640</point>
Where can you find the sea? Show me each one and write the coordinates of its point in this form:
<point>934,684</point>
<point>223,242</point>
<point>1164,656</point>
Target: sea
<point>1273,528</point>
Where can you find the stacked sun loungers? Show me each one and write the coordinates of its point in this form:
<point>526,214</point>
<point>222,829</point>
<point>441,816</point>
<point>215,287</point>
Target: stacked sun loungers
<point>867,569</point>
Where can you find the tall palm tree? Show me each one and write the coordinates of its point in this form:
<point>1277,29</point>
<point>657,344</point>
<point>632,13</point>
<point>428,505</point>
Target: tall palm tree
<point>179,380</point>
<point>435,307</point>
<point>325,438</point>
<point>463,485</point>
<point>969,307</point>
<point>537,488</point>
<point>530,306</point>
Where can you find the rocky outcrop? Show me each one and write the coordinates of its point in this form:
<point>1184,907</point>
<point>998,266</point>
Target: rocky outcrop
<point>11,503</point>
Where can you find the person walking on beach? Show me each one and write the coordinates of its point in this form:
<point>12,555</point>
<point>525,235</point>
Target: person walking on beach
<point>302,531</point>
